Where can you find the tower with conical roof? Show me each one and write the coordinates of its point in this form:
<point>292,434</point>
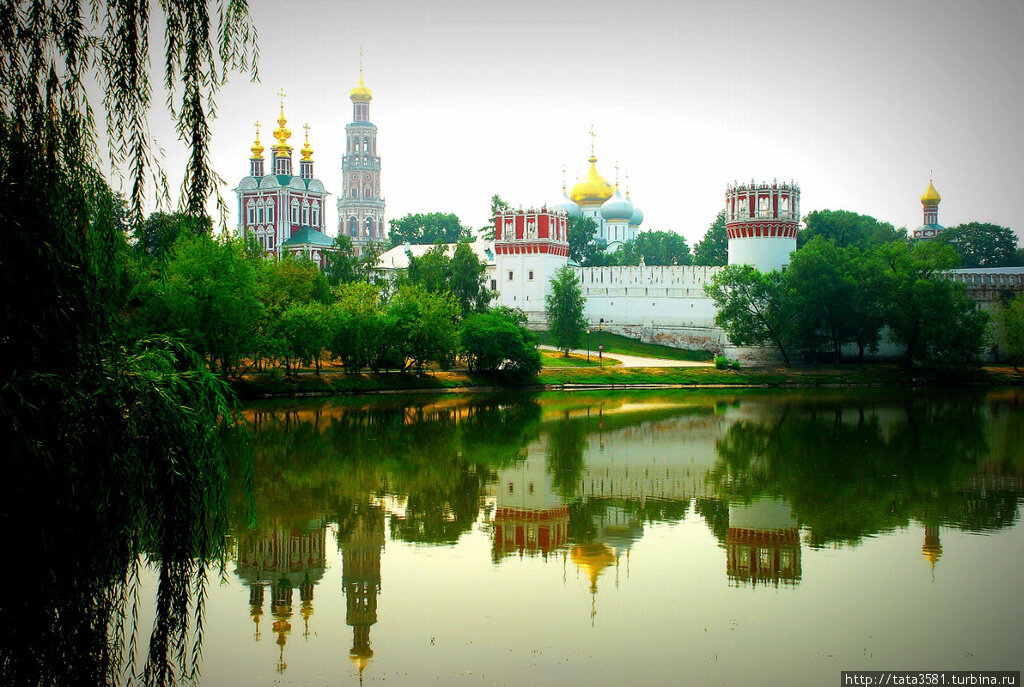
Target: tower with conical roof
<point>930,205</point>
<point>361,207</point>
<point>361,540</point>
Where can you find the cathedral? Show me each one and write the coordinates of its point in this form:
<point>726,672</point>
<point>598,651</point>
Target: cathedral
<point>618,220</point>
<point>285,214</point>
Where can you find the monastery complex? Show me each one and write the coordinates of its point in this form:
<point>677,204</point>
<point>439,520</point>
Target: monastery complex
<point>663,304</point>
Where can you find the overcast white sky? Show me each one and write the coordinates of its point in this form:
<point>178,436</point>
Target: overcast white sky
<point>857,101</point>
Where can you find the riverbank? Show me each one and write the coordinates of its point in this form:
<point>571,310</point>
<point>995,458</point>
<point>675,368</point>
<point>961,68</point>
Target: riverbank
<point>331,383</point>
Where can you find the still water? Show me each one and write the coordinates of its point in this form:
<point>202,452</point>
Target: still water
<point>656,538</point>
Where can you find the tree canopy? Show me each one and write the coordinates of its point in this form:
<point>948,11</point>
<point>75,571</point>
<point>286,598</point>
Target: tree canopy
<point>845,228</point>
<point>461,276</point>
<point>982,245</point>
<point>565,310</point>
<point>429,228</point>
<point>656,248</point>
<point>713,249</point>
<point>581,231</point>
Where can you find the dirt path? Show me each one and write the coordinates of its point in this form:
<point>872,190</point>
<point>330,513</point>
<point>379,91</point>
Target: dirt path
<point>635,360</point>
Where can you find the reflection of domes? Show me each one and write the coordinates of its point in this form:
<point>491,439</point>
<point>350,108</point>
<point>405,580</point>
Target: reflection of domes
<point>593,558</point>
<point>617,208</point>
<point>593,190</point>
<point>932,548</point>
<point>931,196</point>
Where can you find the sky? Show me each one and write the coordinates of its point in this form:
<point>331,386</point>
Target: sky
<point>859,102</point>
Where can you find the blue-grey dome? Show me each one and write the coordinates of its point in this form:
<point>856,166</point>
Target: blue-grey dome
<point>617,208</point>
<point>638,217</point>
<point>568,207</point>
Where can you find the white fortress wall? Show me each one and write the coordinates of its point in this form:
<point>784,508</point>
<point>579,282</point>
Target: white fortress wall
<point>656,304</point>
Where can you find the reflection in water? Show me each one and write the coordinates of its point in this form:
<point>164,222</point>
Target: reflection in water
<point>580,476</point>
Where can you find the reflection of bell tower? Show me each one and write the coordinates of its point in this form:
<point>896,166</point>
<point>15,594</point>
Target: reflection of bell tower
<point>932,548</point>
<point>361,545</point>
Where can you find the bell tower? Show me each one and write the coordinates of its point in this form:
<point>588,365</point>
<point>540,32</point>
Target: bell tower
<point>361,207</point>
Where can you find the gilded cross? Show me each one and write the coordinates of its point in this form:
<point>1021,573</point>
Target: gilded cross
<point>591,138</point>
<point>306,127</point>
<point>281,94</point>
<point>257,128</point>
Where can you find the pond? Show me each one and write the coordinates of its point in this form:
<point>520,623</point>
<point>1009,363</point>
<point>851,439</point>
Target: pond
<point>707,538</point>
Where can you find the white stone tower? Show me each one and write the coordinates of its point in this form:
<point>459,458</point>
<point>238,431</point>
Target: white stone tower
<point>761,221</point>
<point>361,207</point>
<point>529,247</point>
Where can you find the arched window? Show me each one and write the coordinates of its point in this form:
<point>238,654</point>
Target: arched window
<point>295,212</point>
<point>270,211</point>
<point>369,226</point>
<point>316,214</point>
<point>260,214</point>
<point>305,213</point>
<point>353,226</point>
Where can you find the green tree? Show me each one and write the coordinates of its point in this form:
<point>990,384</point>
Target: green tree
<point>461,276</point>
<point>498,339</point>
<point>157,234</point>
<point>497,206</point>
<point>565,310</point>
<point>845,228</point>
<point>929,315</point>
<point>422,327</point>
<point>656,248</point>
<point>580,232</point>
<point>1010,317</point>
<point>753,307</point>
<point>713,249</point>
<point>430,228</point>
<point>209,296</point>
<point>354,322</point>
<point>306,331</point>
<point>343,266</point>
<point>115,443</point>
<point>982,245</point>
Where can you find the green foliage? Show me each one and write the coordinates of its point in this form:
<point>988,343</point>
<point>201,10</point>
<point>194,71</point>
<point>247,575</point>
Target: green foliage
<point>845,228</point>
<point>306,332</point>
<point>461,276</point>
<point>497,340</point>
<point>580,232</point>
<point>564,306</point>
<point>753,308</point>
<point>343,266</point>
<point>421,327</point>
<point>982,245</point>
<point>208,295</point>
<point>497,206</point>
<point>1010,317</point>
<point>656,248</point>
<point>931,316</point>
<point>430,228</point>
<point>157,234</point>
<point>353,324</point>
<point>713,249</point>
<point>721,362</point>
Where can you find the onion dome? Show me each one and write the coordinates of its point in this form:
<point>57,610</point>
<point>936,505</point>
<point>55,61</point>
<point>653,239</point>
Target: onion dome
<point>931,197</point>
<point>593,190</point>
<point>307,152</point>
<point>257,147</point>
<point>282,133</point>
<point>638,216</point>
<point>567,206</point>
<point>361,93</point>
<point>617,208</point>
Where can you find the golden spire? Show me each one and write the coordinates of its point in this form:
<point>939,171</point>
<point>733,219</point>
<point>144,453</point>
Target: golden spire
<point>931,196</point>
<point>627,198</point>
<point>563,178</point>
<point>257,147</point>
<point>307,152</point>
<point>282,133</point>
<point>592,135</point>
<point>616,175</point>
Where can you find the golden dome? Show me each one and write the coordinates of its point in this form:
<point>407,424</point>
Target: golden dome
<point>282,133</point>
<point>931,196</point>
<point>594,190</point>
<point>361,93</point>
<point>257,147</point>
<point>307,152</point>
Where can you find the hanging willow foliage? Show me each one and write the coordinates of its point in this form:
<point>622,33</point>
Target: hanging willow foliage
<point>112,448</point>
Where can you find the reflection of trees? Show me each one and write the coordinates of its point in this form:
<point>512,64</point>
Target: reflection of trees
<point>307,459</point>
<point>567,440</point>
<point>846,476</point>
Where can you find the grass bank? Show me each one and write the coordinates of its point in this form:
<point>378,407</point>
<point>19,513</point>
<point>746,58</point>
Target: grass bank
<point>558,359</point>
<point>257,386</point>
<point>613,343</point>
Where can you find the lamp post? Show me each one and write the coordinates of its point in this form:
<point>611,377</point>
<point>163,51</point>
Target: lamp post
<point>588,345</point>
